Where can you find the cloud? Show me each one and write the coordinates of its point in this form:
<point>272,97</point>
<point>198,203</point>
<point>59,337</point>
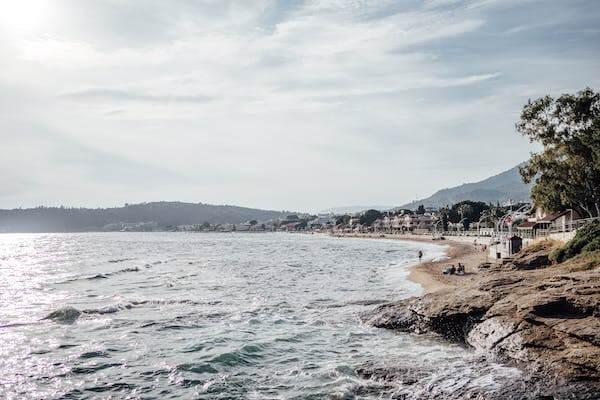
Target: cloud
<point>114,95</point>
<point>265,103</point>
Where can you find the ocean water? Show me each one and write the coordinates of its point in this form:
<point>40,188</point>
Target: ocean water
<point>215,316</point>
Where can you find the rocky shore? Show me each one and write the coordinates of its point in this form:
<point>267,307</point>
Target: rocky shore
<point>525,312</point>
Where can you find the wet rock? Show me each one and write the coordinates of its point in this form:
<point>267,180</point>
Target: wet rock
<point>546,321</point>
<point>433,312</point>
<point>65,315</point>
<point>425,383</point>
<point>401,375</point>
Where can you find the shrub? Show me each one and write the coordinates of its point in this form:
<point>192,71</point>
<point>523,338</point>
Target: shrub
<point>557,255</point>
<point>587,239</point>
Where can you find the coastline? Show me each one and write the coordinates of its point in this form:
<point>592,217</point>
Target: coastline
<point>428,273</point>
<point>524,312</point>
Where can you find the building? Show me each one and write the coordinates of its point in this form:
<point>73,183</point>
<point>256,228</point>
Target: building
<point>559,221</point>
<point>544,223</point>
<point>420,222</point>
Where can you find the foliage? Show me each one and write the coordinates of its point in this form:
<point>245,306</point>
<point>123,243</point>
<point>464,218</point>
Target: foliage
<point>492,214</point>
<point>420,210</point>
<point>342,219</point>
<point>369,217</point>
<point>547,245</point>
<point>443,213</point>
<point>583,262</point>
<point>469,211</point>
<point>566,173</point>
<point>586,240</point>
<point>302,224</point>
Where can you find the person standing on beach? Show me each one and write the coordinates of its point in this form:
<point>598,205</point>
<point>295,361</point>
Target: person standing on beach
<point>420,253</point>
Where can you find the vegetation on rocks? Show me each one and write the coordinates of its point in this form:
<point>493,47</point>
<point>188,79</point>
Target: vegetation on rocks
<point>586,240</point>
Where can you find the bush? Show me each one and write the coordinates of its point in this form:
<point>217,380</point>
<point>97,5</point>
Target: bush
<point>587,239</point>
<point>557,255</point>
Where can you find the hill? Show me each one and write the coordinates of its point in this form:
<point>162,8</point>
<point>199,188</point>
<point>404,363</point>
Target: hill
<point>157,215</point>
<point>498,188</point>
<point>354,209</point>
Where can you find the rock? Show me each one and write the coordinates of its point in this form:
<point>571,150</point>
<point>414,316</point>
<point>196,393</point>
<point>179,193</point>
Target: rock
<point>533,257</point>
<point>433,312</point>
<point>530,261</point>
<point>65,315</point>
<point>487,335</point>
<point>402,375</point>
<point>546,321</point>
<point>484,266</point>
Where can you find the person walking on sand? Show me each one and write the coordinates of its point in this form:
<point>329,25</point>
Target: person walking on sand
<point>420,254</point>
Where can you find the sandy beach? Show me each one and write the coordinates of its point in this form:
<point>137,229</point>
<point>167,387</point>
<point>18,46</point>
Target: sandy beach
<point>528,312</point>
<point>428,273</point>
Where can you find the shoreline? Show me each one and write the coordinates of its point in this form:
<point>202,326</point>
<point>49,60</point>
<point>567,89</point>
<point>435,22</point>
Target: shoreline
<point>428,273</point>
<point>525,312</point>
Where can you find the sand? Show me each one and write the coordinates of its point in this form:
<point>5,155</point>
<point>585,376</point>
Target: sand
<point>428,273</point>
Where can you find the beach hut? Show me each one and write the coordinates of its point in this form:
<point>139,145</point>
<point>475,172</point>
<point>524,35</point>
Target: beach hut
<point>515,244</point>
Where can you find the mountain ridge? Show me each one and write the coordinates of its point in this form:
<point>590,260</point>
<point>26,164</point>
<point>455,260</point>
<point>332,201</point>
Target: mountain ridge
<point>163,214</point>
<point>506,185</point>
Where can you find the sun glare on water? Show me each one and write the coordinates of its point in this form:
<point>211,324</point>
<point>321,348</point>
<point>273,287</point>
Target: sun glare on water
<point>22,16</point>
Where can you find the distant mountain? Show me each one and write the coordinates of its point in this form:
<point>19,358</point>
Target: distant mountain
<point>158,215</point>
<point>498,188</point>
<point>354,209</point>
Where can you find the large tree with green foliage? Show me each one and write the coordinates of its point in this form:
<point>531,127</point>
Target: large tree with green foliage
<point>342,219</point>
<point>468,211</point>
<point>566,172</point>
<point>369,217</point>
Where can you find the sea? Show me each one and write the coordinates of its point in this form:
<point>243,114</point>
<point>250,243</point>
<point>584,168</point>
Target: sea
<point>217,316</point>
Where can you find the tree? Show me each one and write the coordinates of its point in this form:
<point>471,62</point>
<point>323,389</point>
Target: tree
<point>464,209</point>
<point>420,210</point>
<point>443,214</point>
<point>492,214</point>
<point>369,217</point>
<point>253,222</point>
<point>342,219</point>
<point>566,172</point>
<point>468,211</point>
<point>302,225</point>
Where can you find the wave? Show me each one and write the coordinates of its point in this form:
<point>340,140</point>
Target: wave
<point>111,309</point>
<point>118,272</point>
<point>94,368</point>
<point>103,275</point>
<point>371,302</point>
<point>247,355</point>
<point>325,303</point>
<point>70,314</point>
<point>120,260</point>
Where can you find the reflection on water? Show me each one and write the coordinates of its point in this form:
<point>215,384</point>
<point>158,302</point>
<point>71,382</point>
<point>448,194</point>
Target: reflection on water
<point>209,316</point>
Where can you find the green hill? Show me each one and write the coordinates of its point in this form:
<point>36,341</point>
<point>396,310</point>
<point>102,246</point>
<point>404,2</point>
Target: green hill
<point>160,214</point>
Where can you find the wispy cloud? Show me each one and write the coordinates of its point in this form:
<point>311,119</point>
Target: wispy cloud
<point>114,95</point>
<point>267,102</point>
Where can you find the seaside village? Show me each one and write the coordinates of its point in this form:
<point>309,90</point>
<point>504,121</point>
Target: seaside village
<point>501,229</point>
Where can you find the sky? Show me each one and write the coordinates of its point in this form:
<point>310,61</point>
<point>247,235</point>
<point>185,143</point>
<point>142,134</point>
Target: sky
<point>295,105</point>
